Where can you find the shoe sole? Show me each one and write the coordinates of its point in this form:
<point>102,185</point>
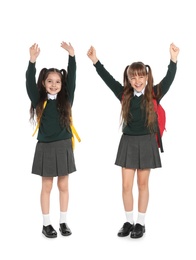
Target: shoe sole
<point>133,236</point>
<point>125,234</point>
<point>65,235</point>
<point>49,236</point>
<point>136,236</point>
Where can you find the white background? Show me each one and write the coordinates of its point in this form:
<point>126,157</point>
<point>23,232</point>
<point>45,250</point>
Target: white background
<point>122,32</point>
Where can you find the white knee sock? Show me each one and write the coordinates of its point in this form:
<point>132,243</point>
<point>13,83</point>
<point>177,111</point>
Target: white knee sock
<point>46,219</point>
<point>63,217</point>
<point>141,218</point>
<point>129,216</point>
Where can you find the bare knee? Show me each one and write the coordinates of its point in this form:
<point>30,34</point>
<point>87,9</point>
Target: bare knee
<point>143,178</point>
<point>127,187</point>
<point>127,178</point>
<point>142,186</point>
<point>62,183</point>
<point>47,184</point>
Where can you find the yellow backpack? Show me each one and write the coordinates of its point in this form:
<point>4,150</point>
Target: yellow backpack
<point>73,130</point>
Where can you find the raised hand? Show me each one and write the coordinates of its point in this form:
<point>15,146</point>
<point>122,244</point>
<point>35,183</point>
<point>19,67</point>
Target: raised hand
<point>34,51</point>
<point>92,54</point>
<point>174,51</point>
<point>68,47</point>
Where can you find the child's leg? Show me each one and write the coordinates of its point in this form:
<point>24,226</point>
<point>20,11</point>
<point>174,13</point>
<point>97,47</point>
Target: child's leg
<point>48,229</point>
<point>63,192</point>
<point>47,183</point>
<point>143,198</point>
<point>127,186</point>
<point>64,199</point>
<point>142,180</point>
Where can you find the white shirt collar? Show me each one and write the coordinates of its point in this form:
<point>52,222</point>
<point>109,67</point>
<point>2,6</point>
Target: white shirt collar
<point>139,93</point>
<point>50,96</point>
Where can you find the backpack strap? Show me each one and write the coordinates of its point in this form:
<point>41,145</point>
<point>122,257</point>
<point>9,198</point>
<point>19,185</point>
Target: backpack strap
<point>159,139</point>
<point>38,121</point>
<point>75,134</point>
<point>73,130</point>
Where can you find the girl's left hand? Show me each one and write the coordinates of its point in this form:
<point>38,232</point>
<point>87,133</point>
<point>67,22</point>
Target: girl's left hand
<point>68,47</point>
<point>174,51</point>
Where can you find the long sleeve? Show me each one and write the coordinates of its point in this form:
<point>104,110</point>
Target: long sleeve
<point>167,81</point>
<point>71,78</point>
<point>113,84</point>
<point>31,86</point>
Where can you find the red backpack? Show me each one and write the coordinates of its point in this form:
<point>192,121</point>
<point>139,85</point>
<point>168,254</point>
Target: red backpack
<point>161,117</point>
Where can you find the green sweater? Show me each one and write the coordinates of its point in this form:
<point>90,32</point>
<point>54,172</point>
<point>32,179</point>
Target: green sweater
<point>137,125</point>
<point>50,129</point>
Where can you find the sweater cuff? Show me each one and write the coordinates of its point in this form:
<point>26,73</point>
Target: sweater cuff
<point>32,64</point>
<point>173,63</point>
<point>97,64</point>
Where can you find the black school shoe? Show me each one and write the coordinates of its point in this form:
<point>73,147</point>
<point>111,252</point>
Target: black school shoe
<point>125,230</point>
<point>49,231</point>
<point>138,231</point>
<point>64,229</point>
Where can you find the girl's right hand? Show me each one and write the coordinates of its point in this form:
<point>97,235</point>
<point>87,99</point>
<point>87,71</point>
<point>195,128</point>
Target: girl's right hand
<point>34,52</point>
<point>92,54</point>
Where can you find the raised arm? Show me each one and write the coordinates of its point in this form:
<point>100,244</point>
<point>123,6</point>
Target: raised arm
<point>71,70</point>
<point>31,87</point>
<point>113,84</point>
<point>171,72</point>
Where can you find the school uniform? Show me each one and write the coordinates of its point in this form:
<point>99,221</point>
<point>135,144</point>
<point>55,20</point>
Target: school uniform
<point>54,152</point>
<point>138,148</point>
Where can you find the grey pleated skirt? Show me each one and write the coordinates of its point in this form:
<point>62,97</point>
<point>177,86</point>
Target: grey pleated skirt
<point>54,159</point>
<point>138,152</point>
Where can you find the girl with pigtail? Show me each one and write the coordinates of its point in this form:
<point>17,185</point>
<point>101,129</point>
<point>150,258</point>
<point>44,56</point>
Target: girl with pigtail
<point>138,149</point>
<point>51,101</point>
<point>63,103</point>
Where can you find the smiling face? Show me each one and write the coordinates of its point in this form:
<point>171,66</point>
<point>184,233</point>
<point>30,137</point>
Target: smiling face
<point>138,82</point>
<point>53,83</point>
<point>137,76</point>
